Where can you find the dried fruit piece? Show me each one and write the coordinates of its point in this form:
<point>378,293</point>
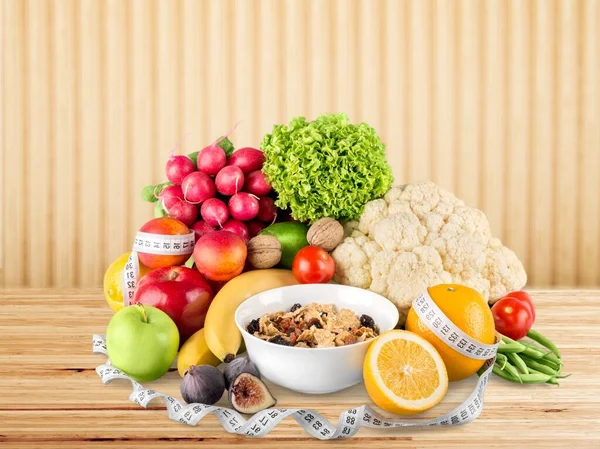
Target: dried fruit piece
<point>203,384</point>
<point>248,394</point>
<point>367,321</point>
<point>326,233</point>
<point>279,340</point>
<point>314,322</point>
<point>238,366</point>
<point>254,326</point>
<point>295,307</point>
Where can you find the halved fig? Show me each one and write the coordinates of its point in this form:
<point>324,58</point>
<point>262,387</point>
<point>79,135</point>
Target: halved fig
<point>248,394</point>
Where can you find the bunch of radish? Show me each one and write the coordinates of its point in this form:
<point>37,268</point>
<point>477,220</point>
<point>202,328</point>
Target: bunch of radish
<point>219,192</point>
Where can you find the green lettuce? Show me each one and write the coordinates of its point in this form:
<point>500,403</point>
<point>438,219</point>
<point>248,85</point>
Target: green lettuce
<point>325,168</point>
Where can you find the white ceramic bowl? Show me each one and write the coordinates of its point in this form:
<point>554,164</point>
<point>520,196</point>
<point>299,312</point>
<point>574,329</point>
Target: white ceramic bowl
<point>313,370</point>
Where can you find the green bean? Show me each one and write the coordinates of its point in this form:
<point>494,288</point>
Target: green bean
<point>545,369</point>
<point>512,370</point>
<point>555,366</point>
<point>531,378</point>
<point>535,378</point>
<point>508,340</point>
<point>552,381</point>
<point>532,352</point>
<point>518,362</point>
<point>544,341</point>
<point>511,347</point>
<point>501,359</point>
<point>504,374</point>
<point>552,357</point>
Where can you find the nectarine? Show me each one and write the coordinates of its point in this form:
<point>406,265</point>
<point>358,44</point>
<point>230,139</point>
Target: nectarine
<point>165,226</point>
<point>220,255</point>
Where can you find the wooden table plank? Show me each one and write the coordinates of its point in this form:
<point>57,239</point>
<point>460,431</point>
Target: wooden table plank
<point>50,395</point>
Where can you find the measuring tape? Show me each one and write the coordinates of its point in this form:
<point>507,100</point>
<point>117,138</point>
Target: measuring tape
<point>313,422</point>
<point>145,242</point>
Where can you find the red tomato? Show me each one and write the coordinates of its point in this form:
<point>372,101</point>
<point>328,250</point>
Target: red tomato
<point>526,298</point>
<point>313,265</point>
<point>511,317</point>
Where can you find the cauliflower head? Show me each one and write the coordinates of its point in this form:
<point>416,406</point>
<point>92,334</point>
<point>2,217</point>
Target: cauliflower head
<point>419,235</point>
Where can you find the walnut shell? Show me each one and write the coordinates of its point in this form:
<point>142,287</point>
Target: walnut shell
<point>326,233</point>
<point>264,251</point>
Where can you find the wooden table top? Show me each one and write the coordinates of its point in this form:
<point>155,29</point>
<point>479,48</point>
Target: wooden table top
<point>50,395</point>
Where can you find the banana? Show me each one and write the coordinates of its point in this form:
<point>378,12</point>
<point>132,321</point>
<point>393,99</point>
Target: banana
<point>195,352</point>
<point>222,335</point>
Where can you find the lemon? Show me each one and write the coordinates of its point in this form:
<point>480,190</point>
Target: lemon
<point>467,309</point>
<point>113,291</point>
<point>404,374</point>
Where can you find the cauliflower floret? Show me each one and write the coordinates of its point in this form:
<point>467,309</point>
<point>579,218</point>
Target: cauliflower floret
<point>399,232</point>
<point>374,211</point>
<point>411,273</point>
<point>354,256</point>
<point>349,227</point>
<point>352,264</point>
<point>503,269</point>
<point>418,236</point>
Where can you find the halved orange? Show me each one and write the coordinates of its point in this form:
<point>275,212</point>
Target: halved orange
<point>404,373</point>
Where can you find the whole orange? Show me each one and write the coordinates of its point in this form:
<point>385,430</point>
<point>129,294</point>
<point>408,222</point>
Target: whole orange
<point>467,309</point>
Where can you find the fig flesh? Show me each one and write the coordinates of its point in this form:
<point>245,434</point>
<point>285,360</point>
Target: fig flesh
<point>238,366</point>
<point>248,394</point>
<point>202,384</point>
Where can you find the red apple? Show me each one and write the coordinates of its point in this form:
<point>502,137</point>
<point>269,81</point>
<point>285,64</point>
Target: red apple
<point>180,292</point>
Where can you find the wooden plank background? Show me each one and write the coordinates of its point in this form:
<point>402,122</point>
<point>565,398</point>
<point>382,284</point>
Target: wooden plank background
<point>497,100</point>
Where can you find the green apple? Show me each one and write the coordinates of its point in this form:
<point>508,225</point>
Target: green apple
<point>142,341</point>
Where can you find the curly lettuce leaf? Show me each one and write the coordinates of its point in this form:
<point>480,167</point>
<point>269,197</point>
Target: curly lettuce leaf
<point>325,168</point>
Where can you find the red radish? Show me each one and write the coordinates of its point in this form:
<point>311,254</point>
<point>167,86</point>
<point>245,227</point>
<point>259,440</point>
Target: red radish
<point>184,212</point>
<point>254,227</point>
<point>267,211</point>
<point>170,195</point>
<point>200,228</point>
<point>256,183</point>
<point>248,159</point>
<point>237,227</point>
<point>214,212</point>
<point>197,187</point>
<point>243,206</point>
<point>178,167</point>
<point>229,180</point>
<point>211,159</point>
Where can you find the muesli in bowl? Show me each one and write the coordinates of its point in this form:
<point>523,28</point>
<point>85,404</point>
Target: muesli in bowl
<point>314,326</point>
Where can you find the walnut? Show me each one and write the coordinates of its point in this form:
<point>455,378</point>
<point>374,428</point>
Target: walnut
<point>264,251</point>
<point>326,233</point>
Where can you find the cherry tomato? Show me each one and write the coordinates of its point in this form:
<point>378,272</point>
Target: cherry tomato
<point>511,317</point>
<point>526,298</point>
<point>313,265</point>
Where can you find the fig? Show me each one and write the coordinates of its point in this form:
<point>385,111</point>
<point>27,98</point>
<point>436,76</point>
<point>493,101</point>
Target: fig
<point>238,366</point>
<point>248,394</point>
<point>202,384</point>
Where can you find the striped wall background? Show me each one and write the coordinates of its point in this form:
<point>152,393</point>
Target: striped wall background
<point>498,101</point>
